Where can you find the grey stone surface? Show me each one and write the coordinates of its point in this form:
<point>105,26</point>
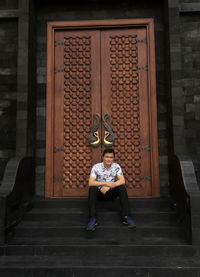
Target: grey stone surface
<point>190,7</point>
<point>190,50</point>
<point>185,73</point>
<point>26,77</point>
<point>173,3</point>
<point>8,4</point>
<point>8,69</point>
<point>9,13</point>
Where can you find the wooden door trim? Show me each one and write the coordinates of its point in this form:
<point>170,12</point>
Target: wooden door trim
<point>98,24</point>
<point>49,112</point>
<point>153,111</point>
<point>102,24</point>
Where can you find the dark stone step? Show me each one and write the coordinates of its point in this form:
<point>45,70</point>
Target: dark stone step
<point>75,210</point>
<point>94,261</point>
<point>102,235</point>
<point>67,241</point>
<point>177,271</point>
<point>100,250</point>
<point>104,219</point>
<point>107,231</point>
<point>62,212</point>
<point>150,203</point>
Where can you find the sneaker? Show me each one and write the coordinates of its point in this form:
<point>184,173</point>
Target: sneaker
<point>129,222</point>
<point>92,224</point>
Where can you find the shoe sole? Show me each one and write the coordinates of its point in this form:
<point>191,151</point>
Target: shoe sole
<point>91,229</point>
<point>129,226</point>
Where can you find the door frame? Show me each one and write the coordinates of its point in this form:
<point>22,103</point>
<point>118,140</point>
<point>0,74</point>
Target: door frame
<point>148,23</point>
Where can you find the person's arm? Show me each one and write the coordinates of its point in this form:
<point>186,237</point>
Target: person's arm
<point>93,182</point>
<point>120,181</point>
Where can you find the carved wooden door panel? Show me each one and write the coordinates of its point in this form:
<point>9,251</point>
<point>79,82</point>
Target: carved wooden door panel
<point>125,99</point>
<point>104,71</point>
<point>77,98</point>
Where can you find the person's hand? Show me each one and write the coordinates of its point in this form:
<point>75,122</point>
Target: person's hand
<point>107,186</point>
<point>110,184</point>
<point>104,189</point>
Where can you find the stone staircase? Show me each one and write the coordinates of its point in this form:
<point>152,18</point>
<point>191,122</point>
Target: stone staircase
<point>52,241</point>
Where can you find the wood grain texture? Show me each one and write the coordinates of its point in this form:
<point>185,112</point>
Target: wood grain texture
<point>101,71</point>
<point>49,112</point>
<point>125,98</point>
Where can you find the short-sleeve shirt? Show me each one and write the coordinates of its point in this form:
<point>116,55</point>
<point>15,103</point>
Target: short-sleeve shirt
<point>101,174</point>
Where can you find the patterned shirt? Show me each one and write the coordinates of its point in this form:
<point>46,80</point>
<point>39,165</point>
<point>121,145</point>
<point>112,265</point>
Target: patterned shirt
<point>101,174</point>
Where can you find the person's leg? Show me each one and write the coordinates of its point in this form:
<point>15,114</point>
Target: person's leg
<point>92,198</point>
<point>123,196</point>
<point>122,193</point>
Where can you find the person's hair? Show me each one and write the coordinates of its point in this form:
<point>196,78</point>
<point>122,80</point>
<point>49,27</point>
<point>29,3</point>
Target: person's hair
<point>108,150</point>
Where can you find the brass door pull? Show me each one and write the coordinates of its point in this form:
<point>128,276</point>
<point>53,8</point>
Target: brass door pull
<point>108,140</point>
<point>93,137</point>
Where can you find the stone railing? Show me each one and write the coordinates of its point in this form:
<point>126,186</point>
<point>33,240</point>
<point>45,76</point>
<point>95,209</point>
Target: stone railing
<point>16,193</point>
<point>186,196</point>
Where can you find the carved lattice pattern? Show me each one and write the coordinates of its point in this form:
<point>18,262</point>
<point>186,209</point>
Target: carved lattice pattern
<point>125,118</point>
<point>77,111</point>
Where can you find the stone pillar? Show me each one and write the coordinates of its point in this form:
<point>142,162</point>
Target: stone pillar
<point>174,78</point>
<point>26,79</point>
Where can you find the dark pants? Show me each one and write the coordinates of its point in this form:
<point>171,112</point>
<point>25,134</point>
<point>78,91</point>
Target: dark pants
<point>95,194</point>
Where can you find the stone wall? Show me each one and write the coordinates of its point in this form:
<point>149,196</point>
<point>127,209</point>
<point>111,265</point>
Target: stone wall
<point>8,4</point>
<point>101,9</point>
<point>190,49</point>
<point>8,85</point>
<point>84,10</point>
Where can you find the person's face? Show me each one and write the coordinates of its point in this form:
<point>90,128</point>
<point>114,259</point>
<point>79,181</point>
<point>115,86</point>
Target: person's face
<point>108,159</point>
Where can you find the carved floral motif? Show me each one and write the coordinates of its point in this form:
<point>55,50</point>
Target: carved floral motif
<point>125,117</point>
<point>77,111</point>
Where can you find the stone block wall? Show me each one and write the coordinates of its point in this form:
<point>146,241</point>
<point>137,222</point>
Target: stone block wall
<point>8,4</point>
<point>84,10</point>
<point>189,12</point>
<point>190,50</point>
<point>8,83</point>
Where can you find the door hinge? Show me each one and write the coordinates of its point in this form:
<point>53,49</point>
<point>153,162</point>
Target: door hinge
<point>143,67</point>
<point>146,178</point>
<point>57,43</point>
<point>147,147</point>
<point>144,40</point>
<point>57,149</point>
<point>55,179</point>
<point>58,70</point>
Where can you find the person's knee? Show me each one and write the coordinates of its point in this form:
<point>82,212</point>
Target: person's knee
<point>122,188</point>
<point>93,189</point>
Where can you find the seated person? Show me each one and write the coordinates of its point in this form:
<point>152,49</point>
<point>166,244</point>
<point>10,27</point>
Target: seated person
<point>107,182</point>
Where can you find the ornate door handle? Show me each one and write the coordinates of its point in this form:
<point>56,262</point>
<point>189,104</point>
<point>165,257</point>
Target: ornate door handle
<point>109,135</point>
<point>93,137</point>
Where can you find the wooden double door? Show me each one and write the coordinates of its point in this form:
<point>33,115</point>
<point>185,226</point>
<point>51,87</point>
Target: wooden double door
<point>101,68</point>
